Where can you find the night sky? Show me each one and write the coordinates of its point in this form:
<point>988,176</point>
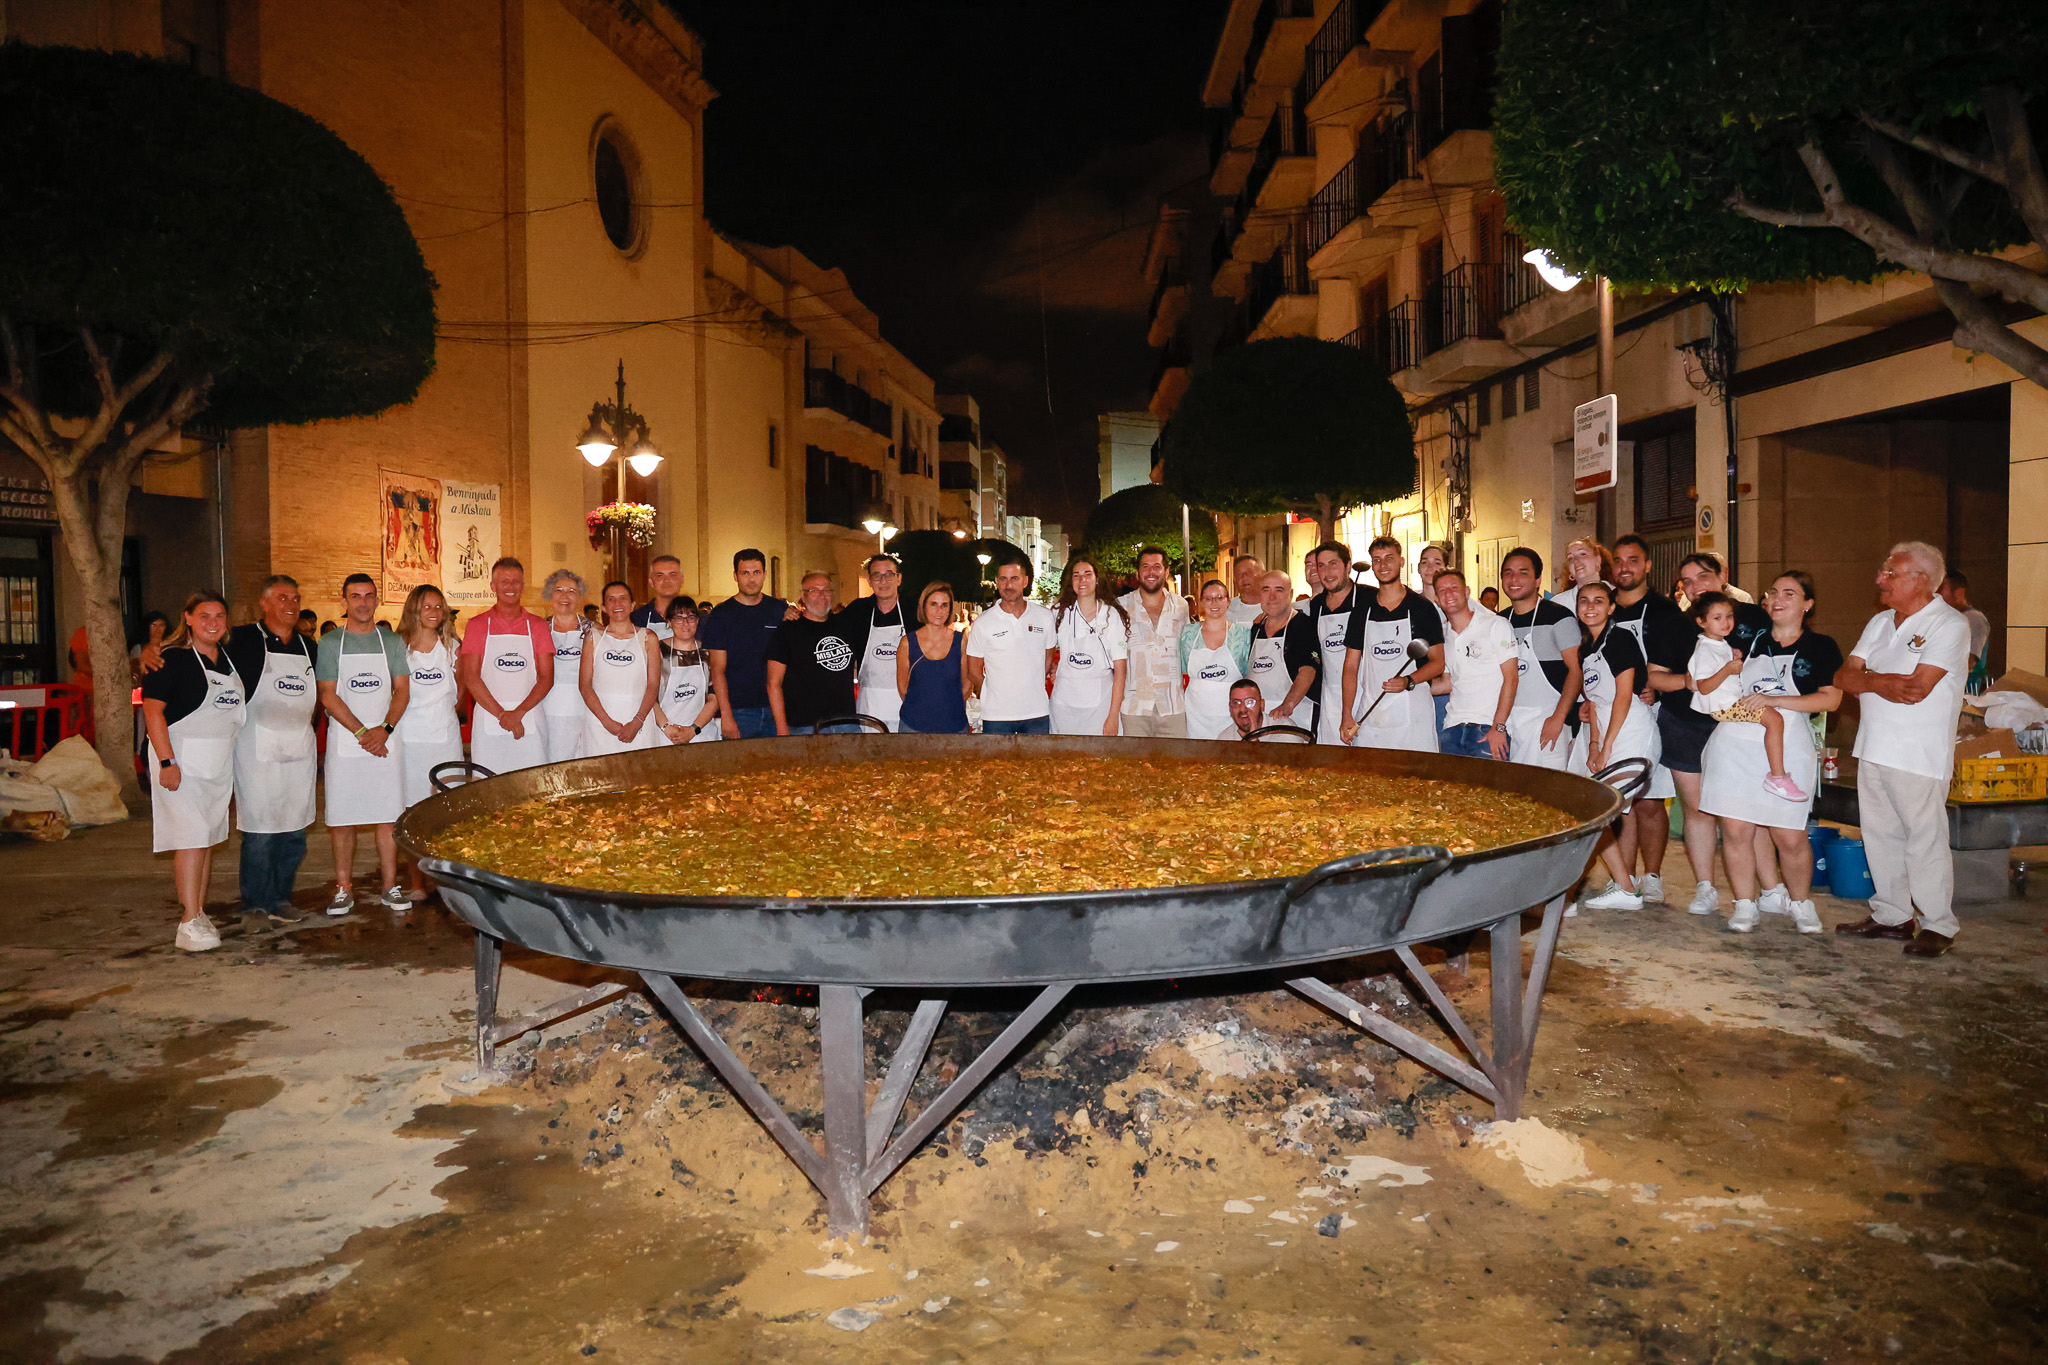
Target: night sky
<point>938,152</point>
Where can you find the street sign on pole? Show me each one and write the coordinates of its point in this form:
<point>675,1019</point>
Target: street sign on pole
<point>1594,445</point>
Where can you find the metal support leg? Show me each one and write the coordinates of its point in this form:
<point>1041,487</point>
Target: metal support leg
<point>489,960</point>
<point>1506,972</point>
<point>841,1054</point>
<point>852,1166</point>
<point>1498,1072</point>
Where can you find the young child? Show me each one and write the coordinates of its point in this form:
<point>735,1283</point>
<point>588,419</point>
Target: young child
<point>1716,671</point>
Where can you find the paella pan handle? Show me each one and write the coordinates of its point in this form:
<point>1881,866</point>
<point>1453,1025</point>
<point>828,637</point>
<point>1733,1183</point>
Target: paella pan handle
<point>865,722</point>
<point>1282,732</point>
<point>471,772</point>
<point>1308,881</point>
<point>1629,776</point>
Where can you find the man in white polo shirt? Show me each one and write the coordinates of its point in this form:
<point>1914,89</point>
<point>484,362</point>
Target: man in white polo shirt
<point>1908,666</point>
<point>1481,661</point>
<point>1006,649</point>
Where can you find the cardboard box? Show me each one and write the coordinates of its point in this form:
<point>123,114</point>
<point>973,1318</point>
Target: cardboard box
<point>1990,744</point>
<point>2019,680</point>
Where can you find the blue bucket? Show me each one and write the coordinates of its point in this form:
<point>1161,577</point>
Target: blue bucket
<point>1849,870</point>
<point>1820,836</point>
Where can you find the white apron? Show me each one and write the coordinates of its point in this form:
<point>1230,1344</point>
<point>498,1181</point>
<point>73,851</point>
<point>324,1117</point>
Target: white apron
<point>682,699</point>
<point>430,729</point>
<point>1330,629</point>
<point>618,675</point>
<point>1405,720</point>
<point>1269,671</point>
<point>196,814</point>
<point>276,752</point>
<point>877,695</point>
<point>1535,702</point>
<point>1210,674</point>
<point>564,701</point>
<point>1734,765</point>
<point>1662,788</point>
<point>363,789</point>
<point>1086,675</point>
<point>508,671</point>
<point>1638,737</point>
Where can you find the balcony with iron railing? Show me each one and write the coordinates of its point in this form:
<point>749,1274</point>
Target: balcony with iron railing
<point>1270,12</point>
<point>1464,305</point>
<point>1341,34</point>
<point>1286,136</point>
<point>827,392</point>
<point>1283,275</point>
<point>1403,326</point>
<point>1383,160</point>
<point>1372,337</point>
<point>1334,207</point>
<point>1519,282</point>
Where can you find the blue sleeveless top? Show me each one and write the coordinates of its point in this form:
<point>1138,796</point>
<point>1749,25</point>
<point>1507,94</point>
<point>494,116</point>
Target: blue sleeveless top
<point>932,704</point>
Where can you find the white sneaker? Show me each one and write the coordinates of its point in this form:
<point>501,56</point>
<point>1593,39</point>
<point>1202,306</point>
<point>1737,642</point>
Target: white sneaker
<point>1571,909</point>
<point>1650,886</point>
<point>1775,900</point>
<point>1705,900</point>
<point>1614,898</point>
<point>343,902</point>
<point>394,899</point>
<point>1745,917</point>
<point>198,935</point>
<point>1806,918</point>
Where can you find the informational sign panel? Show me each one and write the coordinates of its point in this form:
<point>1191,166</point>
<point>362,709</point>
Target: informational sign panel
<point>409,511</point>
<point>470,528</point>
<point>1593,444</point>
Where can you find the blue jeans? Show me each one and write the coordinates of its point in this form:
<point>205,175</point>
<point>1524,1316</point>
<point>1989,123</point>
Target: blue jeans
<point>841,730</point>
<point>1037,725</point>
<point>753,722</point>
<point>1443,706</point>
<point>270,867</point>
<point>1469,740</point>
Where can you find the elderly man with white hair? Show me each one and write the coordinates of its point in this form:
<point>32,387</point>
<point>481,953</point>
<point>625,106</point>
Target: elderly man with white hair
<point>1908,666</point>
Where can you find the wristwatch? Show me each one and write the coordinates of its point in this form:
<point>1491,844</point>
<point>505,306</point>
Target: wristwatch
<point>170,762</point>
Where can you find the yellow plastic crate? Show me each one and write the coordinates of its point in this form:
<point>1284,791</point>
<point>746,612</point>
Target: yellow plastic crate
<point>2021,778</point>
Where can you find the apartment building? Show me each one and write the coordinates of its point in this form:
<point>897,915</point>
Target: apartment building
<point>960,465</point>
<point>1803,426</point>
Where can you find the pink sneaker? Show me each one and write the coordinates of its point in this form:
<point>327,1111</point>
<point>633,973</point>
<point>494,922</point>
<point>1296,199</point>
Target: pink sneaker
<point>1783,786</point>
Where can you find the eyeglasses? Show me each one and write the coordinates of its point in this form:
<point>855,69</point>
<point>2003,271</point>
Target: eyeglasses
<point>883,573</point>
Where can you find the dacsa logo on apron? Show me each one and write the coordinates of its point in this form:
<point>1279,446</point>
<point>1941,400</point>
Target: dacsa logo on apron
<point>288,685</point>
<point>510,663</point>
<point>428,677</point>
<point>622,660</point>
<point>362,683</point>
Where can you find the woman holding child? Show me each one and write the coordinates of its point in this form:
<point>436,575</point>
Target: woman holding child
<point>1790,670</point>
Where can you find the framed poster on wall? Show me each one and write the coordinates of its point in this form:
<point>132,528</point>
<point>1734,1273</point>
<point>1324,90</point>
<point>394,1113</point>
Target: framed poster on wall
<point>470,536</point>
<point>409,512</point>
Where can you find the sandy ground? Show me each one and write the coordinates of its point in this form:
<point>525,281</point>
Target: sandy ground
<point>1760,1149</point>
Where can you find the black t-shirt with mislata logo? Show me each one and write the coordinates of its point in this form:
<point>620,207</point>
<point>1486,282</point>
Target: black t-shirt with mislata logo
<point>821,661</point>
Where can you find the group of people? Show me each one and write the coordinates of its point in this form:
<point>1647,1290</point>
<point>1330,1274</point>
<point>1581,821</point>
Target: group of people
<point>1721,699</point>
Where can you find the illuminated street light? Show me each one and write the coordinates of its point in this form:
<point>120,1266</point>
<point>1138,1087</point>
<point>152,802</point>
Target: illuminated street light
<point>595,445</point>
<point>1554,275</point>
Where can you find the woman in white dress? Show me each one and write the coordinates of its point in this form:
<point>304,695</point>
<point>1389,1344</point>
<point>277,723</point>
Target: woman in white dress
<point>687,712</point>
<point>192,709</point>
<point>563,707</point>
<point>1093,636</point>
<point>1792,669</point>
<point>1614,727</point>
<point>430,732</point>
<point>1214,653</point>
<point>621,679</point>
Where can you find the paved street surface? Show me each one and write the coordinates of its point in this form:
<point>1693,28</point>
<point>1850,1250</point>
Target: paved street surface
<point>1767,1148</point>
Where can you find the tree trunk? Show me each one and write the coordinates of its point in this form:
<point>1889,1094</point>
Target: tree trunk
<point>1326,519</point>
<point>99,574</point>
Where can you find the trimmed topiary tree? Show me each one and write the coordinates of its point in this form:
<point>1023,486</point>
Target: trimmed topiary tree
<point>1123,523</point>
<point>1289,425</point>
<point>1751,141</point>
<point>180,248</point>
